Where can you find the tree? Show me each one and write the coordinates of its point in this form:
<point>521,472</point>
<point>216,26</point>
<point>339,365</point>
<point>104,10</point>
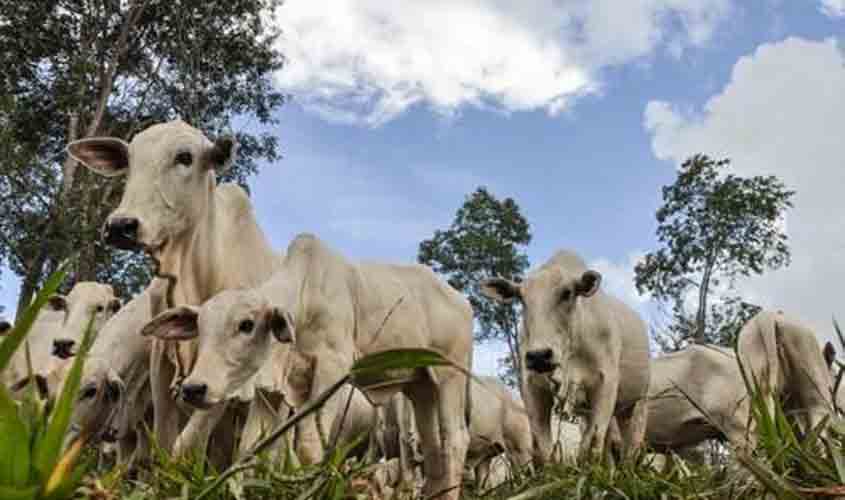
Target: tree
<point>112,67</point>
<point>714,228</point>
<point>487,238</point>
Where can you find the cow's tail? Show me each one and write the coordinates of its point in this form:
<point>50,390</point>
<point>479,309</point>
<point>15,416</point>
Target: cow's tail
<point>770,332</point>
<point>468,404</point>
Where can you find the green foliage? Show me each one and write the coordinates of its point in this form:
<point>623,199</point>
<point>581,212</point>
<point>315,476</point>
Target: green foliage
<point>78,69</point>
<point>34,462</point>
<point>714,228</point>
<point>487,238</point>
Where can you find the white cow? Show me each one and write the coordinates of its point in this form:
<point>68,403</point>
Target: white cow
<point>333,310</point>
<point>574,337</point>
<point>700,376</point>
<point>114,389</point>
<point>203,235</point>
<point>498,425</point>
<point>58,329</point>
<point>786,360</point>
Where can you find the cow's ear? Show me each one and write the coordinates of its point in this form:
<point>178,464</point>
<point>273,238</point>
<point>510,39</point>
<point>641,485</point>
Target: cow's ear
<point>589,283</point>
<point>178,323</point>
<point>222,153</point>
<point>5,327</point>
<point>115,305</point>
<point>108,156</point>
<point>281,325</point>
<point>829,354</point>
<point>500,290</point>
<point>57,302</point>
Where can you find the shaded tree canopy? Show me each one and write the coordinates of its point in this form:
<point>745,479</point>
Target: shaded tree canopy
<point>112,67</point>
<point>714,228</point>
<point>487,238</point>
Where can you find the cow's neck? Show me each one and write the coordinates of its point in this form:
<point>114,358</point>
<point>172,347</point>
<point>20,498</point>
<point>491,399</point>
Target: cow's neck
<point>226,250</point>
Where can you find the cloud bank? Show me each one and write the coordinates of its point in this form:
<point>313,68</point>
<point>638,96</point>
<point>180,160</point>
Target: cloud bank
<point>367,61</point>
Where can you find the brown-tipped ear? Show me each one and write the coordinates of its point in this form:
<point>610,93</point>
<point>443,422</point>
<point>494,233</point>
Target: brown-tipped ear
<point>107,156</point>
<point>5,327</point>
<point>178,323</point>
<point>57,302</point>
<point>829,354</point>
<point>222,153</point>
<point>500,290</point>
<point>589,283</point>
<point>115,305</point>
<point>281,325</point>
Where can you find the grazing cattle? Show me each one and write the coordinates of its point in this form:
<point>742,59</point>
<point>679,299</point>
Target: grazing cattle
<point>574,337</point>
<point>114,392</point>
<point>203,235</point>
<point>333,311</point>
<point>700,377</point>
<point>786,360</point>
<point>498,424</point>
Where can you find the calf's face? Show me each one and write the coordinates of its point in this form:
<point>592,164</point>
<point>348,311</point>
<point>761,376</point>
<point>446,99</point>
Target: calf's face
<point>85,301</point>
<point>170,170</point>
<point>235,330</point>
<point>550,301</point>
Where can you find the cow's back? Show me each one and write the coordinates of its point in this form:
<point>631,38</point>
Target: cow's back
<point>702,376</point>
<point>431,314</point>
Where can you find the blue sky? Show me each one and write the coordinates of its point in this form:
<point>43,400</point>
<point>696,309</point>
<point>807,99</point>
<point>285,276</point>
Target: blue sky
<point>579,110</point>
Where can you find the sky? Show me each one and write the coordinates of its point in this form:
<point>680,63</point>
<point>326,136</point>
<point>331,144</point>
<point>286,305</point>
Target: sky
<point>580,110</point>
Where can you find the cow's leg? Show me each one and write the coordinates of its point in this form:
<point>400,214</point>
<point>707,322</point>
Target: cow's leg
<point>440,411</point>
<point>327,370</point>
<point>166,415</point>
<point>633,430</point>
<point>194,437</point>
<point>539,402</point>
<point>260,420</point>
<point>482,474</point>
<point>603,400</point>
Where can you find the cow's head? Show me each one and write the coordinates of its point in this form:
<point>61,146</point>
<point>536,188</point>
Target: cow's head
<point>550,299</point>
<point>171,178</point>
<point>86,299</point>
<point>236,329</point>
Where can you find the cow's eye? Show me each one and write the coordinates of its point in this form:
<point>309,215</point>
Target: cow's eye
<point>88,392</point>
<point>246,326</point>
<point>565,295</point>
<point>184,158</point>
<point>100,308</point>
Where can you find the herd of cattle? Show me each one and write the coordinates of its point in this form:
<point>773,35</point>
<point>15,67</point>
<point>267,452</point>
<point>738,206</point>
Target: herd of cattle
<point>232,336</point>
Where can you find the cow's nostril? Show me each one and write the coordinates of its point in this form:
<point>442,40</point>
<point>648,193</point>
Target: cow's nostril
<point>122,232</point>
<point>194,393</point>
<point>113,390</point>
<point>63,348</point>
<point>540,361</point>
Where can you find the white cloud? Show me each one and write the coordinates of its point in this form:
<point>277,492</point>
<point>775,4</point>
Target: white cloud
<point>618,279</point>
<point>833,8</point>
<point>366,61</point>
<point>782,113</point>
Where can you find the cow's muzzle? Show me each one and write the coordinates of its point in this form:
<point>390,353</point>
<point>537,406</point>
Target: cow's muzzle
<point>540,361</point>
<point>63,348</point>
<point>194,394</point>
<point>122,232</point>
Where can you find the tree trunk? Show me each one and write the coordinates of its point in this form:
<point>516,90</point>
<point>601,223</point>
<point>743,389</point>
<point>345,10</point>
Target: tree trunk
<point>701,315</point>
